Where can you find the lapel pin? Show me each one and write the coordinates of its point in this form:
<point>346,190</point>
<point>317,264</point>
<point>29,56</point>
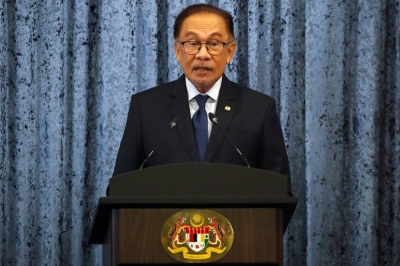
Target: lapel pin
<point>227,108</point>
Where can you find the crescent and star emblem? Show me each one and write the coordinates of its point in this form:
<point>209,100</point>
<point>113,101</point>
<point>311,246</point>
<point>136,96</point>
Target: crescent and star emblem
<point>197,220</point>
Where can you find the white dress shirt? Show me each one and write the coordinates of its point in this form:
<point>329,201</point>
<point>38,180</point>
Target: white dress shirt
<point>211,104</point>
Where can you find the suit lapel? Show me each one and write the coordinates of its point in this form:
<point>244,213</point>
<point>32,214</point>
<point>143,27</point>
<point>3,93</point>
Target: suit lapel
<point>226,108</point>
<point>179,107</point>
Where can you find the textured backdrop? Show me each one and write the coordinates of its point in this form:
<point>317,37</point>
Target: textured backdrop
<point>68,68</point>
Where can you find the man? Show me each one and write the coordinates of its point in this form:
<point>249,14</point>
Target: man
<point>204,45</point>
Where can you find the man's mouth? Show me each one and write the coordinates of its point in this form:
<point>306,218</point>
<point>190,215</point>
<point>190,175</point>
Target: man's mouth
<point>202,68</point>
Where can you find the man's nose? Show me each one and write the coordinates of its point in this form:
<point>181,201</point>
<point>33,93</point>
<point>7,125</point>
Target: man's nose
<point>203,52</point>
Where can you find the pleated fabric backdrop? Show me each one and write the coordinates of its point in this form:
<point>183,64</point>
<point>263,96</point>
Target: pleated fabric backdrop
<point>68,68</point>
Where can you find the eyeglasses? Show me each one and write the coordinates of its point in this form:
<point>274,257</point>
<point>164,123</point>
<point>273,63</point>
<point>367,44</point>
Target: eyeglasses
<point>213,48</point>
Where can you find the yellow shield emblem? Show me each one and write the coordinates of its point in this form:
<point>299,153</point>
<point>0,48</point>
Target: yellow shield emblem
<point>197,236</point>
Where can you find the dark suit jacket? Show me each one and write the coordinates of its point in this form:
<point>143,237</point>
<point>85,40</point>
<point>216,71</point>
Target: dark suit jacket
<point>252,124</point>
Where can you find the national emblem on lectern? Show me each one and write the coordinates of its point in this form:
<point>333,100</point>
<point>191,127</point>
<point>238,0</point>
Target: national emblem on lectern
<point>206,237</point>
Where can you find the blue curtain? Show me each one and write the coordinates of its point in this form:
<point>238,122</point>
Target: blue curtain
<point>68,68</point>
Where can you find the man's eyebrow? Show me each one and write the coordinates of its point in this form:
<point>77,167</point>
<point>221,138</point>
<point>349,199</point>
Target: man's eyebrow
<point>191,33</point>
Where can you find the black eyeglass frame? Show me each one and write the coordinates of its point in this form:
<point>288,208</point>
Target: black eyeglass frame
<point>198,50</point>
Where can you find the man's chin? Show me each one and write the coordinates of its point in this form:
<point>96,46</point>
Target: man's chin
<point>203,85</point>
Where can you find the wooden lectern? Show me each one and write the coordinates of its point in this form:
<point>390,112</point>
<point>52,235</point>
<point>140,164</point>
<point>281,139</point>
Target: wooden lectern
<point>256,202</point>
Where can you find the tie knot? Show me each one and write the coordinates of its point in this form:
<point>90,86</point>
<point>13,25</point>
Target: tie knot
<point>201,100</point>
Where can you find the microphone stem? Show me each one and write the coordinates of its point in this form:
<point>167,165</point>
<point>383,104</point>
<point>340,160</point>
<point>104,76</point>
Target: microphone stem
<point>147,158</point>
<point>244,158</point>
<point>214,120</point>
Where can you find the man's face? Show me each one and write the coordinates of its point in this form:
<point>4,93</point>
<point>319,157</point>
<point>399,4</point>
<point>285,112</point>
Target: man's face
<point>203,69</point>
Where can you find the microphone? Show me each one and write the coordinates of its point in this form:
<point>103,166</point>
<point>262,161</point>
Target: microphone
<point>214,119</point>
<point>173,124</point>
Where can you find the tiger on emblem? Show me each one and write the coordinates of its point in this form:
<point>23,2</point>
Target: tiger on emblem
<point>219,232</point>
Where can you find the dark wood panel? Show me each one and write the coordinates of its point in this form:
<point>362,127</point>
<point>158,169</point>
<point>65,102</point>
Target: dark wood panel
<point>140,241</point>
<point>258,236</point>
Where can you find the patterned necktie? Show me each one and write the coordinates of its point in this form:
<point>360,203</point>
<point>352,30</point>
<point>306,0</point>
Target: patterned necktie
<point>200,123</point>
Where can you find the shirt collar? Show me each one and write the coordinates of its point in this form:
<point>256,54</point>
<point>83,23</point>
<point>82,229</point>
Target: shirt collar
<point>213,92</point>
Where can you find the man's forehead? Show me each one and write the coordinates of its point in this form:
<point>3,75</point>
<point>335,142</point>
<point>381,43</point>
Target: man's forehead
<point>204,23</point>
<point>191,33</point>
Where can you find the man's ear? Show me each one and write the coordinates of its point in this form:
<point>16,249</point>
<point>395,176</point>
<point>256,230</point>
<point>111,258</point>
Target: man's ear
<point>231,52</point>
<point>176,49</point>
